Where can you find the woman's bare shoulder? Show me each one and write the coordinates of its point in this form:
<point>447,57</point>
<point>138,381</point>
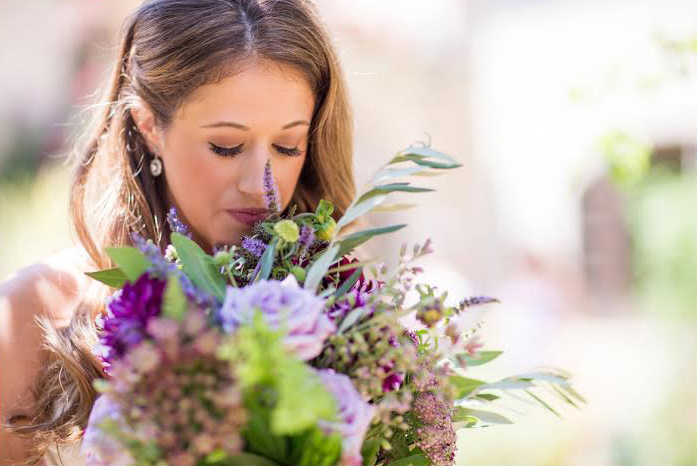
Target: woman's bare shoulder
<point>52,290</point>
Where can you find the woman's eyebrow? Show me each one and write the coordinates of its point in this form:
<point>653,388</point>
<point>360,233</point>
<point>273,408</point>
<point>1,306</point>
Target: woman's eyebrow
<point>219,124</point>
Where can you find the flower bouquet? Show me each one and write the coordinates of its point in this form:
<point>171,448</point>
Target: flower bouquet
<point>286,350</point>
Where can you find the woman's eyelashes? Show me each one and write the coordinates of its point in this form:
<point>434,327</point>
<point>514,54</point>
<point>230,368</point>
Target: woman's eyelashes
<point>233,151</point>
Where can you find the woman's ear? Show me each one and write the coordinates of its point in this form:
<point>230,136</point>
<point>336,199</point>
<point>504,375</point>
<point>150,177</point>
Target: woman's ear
<point>144,119</point>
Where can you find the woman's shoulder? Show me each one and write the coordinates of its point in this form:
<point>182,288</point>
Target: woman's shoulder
<point>51,288</point>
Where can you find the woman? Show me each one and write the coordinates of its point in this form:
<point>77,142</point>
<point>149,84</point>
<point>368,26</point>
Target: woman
<point>203,93</point>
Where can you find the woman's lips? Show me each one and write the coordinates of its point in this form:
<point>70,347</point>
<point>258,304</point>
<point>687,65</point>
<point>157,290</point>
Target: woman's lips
<point>248,216</point>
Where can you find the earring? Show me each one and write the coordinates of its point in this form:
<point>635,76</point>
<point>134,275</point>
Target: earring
<point>156,166</point>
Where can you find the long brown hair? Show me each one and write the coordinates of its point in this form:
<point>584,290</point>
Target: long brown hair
<point>169,48</point>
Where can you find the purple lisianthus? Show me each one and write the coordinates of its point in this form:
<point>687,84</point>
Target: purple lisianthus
<point>100,448</point>
<point>283,305</point>
<point>128,314</point>
<point>355,415</point>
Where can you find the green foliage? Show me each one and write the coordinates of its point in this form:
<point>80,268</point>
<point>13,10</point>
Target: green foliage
<point>262,362</point>
<point>199,266</point>
<point>131,261</point>
<point>174,301</point>
<point>114,278</point>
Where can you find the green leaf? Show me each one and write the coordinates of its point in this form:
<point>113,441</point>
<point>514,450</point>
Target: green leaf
<point>464,385</point>
<point>130,260</point>
<point>247,459</point>
<point>487,396</point>
<point>359,209</point>
<point>427,152</point>
<point>387,174</point>
<point>510,383</point>
<point>543,403</point>
<point>391,188</point>
<point>352,317</point>
<point>114,278</point>
<point>319,268</point>
<point>568,389</point>
<point>369,451</point>
<point>267,260</point>
<point>393,207</point>
<point>315,448</point>
<point>482,357</point>
<point>352,241</point>
<point>343,289</point>
<point>484,416</point>
<point>427,163</point>
<point>413,460</point>
<point>199,266</point>
<point>174,301</point>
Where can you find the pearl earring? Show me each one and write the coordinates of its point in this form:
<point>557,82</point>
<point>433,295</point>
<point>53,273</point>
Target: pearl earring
<point>156,166</point>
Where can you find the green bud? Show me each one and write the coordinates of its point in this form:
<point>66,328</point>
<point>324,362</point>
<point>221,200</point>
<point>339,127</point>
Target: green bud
<point>326,230</point>
<point>299,273</point>
<point>287,230</point>
<point>222,258</point>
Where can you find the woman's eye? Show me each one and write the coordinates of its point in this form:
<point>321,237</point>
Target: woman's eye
<point>226,151</point>
<point>290,151</point>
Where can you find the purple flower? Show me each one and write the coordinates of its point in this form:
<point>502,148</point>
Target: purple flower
<point>436,437</point>
<point>176,225</point>
<point>392,382</point>
<point>355,415</point>
<point>307,238</point>
<point>255,246</point>
<point>271,196</point>
<point>284,305</point>
<point>100,448</point>
<point>128,315</point>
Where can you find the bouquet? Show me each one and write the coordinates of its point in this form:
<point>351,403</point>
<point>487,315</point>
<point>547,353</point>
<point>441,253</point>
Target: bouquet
<point>286,350</point>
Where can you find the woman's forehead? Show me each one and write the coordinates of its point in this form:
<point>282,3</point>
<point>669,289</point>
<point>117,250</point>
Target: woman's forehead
<point>259,93</point>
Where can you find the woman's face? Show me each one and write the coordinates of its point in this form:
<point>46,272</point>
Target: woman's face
<point>217,145</point>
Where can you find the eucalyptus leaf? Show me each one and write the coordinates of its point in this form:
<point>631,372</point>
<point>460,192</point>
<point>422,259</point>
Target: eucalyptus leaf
<point>319,268</point>
<point>267,259</point>
<point>359,209</point>
<point>130,260</point>
<point>199,266</point>
<point>484,416</point>
<point>393,207</point>
<point>343,289</point>
<point>392,188</point>
<point>543,403</point>
<point>428,163</point>
<point>427,152</point>
<point>114,278</point>
<point>387,174</point>
<point>482,357</point>
<point>464,385</point>
<point>352,317</point>
<point>508,384</point>
<point>352,241</point>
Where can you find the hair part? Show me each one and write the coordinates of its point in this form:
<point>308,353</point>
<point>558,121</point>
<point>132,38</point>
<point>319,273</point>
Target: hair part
<point>168,49</point>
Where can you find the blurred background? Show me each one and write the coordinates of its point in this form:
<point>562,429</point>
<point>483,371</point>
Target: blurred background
<point>576,122</point>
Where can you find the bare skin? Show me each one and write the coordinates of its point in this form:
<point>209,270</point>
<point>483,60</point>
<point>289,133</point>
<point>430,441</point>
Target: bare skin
<point>274,103</point>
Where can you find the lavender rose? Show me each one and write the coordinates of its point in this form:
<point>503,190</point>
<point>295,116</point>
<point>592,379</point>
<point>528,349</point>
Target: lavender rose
<point>355,415</point>
<point>284,305</point>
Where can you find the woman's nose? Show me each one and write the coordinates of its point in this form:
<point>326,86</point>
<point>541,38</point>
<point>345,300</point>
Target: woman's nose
<point>251,180</point>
